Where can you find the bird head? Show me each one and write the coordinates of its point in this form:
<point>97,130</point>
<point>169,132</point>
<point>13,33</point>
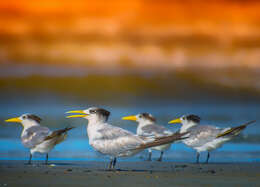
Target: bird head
<point>26,120</point>
<point>187,121</point>
<point>142,118</point>
<point>92,114</point>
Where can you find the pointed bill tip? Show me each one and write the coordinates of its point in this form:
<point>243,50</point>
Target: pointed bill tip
<point>132,118</point>
<point>175,121</point>
<point>15,120</point>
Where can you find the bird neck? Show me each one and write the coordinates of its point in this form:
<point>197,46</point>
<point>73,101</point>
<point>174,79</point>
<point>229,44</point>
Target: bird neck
<point>26,125</point>
<point>144,123</point>
<point>95,124</point>
<point>186,126</point>
<point>95,120</point>
<point>93,129</point>
<point>141,125</point>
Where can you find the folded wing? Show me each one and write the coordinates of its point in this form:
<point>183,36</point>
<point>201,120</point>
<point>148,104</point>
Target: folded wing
<point>154,130</point>
<point>34,136</point>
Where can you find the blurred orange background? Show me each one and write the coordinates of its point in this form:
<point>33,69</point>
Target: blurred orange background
<point>151,34</point>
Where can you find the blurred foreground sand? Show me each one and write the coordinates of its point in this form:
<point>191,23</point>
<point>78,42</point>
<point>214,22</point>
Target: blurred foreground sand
<point>15,173</point>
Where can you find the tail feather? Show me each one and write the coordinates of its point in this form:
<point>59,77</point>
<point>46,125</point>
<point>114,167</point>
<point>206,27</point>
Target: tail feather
<point>235,130</point>
<point>163,140</point>
<point>58,133</point>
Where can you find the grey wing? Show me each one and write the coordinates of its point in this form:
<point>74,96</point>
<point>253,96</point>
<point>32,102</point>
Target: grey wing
<point>113,132</point>
<point>200,135</point>
<point>34,136</point>
<point>114,140</point>
<point>155,130</point>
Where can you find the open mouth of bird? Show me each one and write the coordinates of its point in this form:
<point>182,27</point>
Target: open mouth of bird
<point>78,114</point>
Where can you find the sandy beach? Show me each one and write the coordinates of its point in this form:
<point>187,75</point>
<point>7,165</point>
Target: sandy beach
<point>78,173</point>
<point>168,58</point>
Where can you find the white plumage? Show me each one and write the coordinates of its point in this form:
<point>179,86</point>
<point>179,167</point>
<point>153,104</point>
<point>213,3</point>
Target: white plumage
<point>203,138</point>
<point>36,137</point>
<point>206,137</point>
<point>147,127</point>
<point>115,141</point>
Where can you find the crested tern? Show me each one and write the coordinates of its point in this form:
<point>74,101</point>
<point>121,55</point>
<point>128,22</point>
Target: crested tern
<point>206,137</point>
<point>38,138</point>
<point>114,141</point>
<point>147,127</point>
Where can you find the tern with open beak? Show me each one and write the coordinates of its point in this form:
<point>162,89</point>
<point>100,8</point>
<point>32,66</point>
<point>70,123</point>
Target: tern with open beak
<point>147,127</point>
<point>36,137</point>
<point>206,137</point>
<point>114,141</point>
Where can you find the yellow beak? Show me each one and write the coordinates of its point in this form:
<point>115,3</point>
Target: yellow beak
<point>175,121</point>
<point>133,118</point>
<point>16,120</point>
<point>76,111</point>
<point>81,114</point>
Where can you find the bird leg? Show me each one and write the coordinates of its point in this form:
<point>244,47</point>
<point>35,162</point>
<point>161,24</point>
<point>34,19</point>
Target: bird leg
<point>30,159</point>
<point>207,161</point>
<point>110,164</point>
<point>46,160</point>
<point>114,163</point>
<point>198,158</point>
<point>160,158</point>
<point>150,155</point>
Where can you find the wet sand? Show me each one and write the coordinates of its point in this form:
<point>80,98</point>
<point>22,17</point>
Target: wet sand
<point>75,173</point>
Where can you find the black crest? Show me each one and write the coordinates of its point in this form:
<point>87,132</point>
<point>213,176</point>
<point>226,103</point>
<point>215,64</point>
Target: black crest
<point>100,111</point>
<point>148,116</point>
<point>103,112</point>
<point>34,117</point>
<point>193,118</point>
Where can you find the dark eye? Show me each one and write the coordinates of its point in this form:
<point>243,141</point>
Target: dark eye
<point>24,117</point>
<point>92,111</point>
<point>140,116</point>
